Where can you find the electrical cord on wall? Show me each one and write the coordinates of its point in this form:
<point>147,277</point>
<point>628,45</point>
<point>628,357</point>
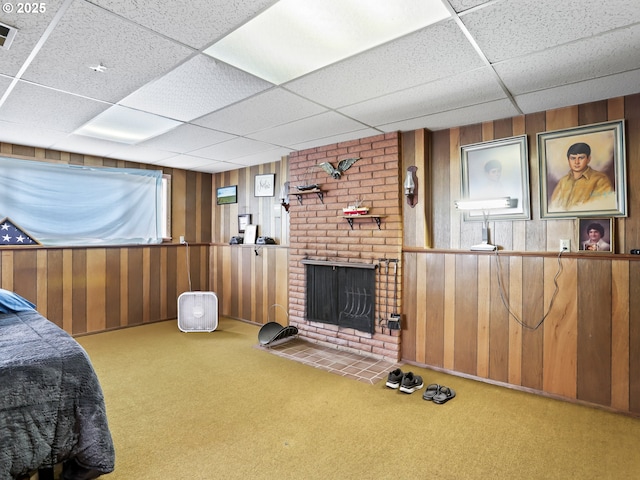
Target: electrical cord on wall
<point>508,307</point>
<point>186,244</point>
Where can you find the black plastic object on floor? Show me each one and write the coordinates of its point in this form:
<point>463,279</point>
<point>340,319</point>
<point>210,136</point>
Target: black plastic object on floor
<point>272,332</point>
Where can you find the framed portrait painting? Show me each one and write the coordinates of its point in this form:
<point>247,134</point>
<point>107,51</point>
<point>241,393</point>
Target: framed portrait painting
<point>595,235</point>
<point>495,169</point>
<point>583,171</point>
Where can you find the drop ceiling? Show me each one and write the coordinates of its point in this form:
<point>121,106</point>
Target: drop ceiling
<point>488,60</point>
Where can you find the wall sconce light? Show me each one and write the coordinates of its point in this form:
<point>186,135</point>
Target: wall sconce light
<point>486,205</point>
<point>411,186</point>
<point>284,196</point>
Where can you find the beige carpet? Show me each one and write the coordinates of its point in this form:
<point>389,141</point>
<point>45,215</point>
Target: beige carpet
<point>204,406</point>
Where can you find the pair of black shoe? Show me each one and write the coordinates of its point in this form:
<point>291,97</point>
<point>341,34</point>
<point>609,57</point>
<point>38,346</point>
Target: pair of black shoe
<point>406,382</point>
<point>438,393</point>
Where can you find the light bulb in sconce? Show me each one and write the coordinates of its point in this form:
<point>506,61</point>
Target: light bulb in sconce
<point>411,186</point>
<point>284,196</point>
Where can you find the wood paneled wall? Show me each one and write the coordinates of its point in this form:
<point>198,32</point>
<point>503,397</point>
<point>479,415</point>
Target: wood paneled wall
<point>265,212</point>
<point>450,232</point>
<point>85,290</point>
<point>588,347</point>
<point>251,286</point>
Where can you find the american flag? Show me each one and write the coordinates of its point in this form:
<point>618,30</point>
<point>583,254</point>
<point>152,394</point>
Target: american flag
<point>10,234</point>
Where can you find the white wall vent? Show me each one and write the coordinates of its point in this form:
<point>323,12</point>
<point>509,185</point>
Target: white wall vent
<point>7,34</point>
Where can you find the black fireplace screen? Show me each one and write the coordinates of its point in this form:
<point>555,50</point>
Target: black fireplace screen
<point>340,295</point>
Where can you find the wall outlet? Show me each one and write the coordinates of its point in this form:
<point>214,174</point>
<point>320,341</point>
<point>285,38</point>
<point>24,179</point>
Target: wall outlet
<point>182,239</point>
<point>565,245</point>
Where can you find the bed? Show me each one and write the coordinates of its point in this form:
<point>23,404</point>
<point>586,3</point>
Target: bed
<point>52,408</point>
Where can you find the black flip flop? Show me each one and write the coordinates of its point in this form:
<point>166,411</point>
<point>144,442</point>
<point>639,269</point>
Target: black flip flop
<point>444,395</point>
<point>431,391</point>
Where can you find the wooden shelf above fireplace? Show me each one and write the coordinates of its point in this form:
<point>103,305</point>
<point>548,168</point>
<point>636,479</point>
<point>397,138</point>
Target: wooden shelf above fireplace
<point>351,218</point>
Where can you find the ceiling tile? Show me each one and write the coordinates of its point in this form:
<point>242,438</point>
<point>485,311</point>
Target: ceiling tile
<point>607,54</point>
<point>32,105</point>
<point>462,5</point>
<point>187,138</point>
<point>233,149</point>
<point>469,88</point>
<point>265,110</point>
<point>32,136</point>
<point>582,92</point>
<point>194,89</point>
<point>87,145</point>
<point>186,162</point>
<point>313,128</point>
<point>266,156</point>
<point>462,116</point>
<point>5,82</point>
<point>336,138</point>
<point>196,25</point>
<point>435,52</point>
<point>510,29</point>
<point>137,153</point>
<point>88,35</point>
<point>215,167</point>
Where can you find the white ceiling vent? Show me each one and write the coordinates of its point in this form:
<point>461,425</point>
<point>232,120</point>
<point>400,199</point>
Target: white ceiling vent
<point>7,34</point>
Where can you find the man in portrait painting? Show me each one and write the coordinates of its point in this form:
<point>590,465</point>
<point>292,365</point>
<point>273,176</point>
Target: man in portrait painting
<point>595,233</point>
<point>582,186</point>
<point>491,184</point>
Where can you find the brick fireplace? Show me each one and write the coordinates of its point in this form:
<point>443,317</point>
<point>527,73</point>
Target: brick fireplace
<point>319,234</point>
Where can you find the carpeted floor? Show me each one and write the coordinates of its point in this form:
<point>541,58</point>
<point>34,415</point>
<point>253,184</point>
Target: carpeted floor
<point>209,406</point>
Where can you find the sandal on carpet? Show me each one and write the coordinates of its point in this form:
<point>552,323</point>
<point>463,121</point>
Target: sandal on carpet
<point>444,395</point>
<point>431,391</point>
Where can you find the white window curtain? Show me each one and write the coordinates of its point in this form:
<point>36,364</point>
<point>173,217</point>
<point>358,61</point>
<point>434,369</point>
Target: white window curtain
<point>67,205</point>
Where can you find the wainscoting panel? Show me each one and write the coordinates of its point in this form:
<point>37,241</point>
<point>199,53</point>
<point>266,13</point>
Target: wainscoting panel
<point>85,290</point>
<point>252,287</point>
<point>587,347</point>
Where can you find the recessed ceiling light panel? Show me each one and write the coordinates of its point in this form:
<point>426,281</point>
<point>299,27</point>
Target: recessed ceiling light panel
<point>293,37</point>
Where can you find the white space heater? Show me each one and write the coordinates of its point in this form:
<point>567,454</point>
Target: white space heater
<point>197,312</point>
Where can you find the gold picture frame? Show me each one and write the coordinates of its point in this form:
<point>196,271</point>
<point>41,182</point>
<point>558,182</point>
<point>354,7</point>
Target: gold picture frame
<point>595,235</point>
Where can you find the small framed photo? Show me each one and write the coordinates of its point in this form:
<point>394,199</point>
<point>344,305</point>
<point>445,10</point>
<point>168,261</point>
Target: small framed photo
<point>495,169</point>
<point>243,220</point>
<point>227,195</point>
<point>583,171</point>
<point>595,235</point>
<point>264,185</point>
<point>250,234</point>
